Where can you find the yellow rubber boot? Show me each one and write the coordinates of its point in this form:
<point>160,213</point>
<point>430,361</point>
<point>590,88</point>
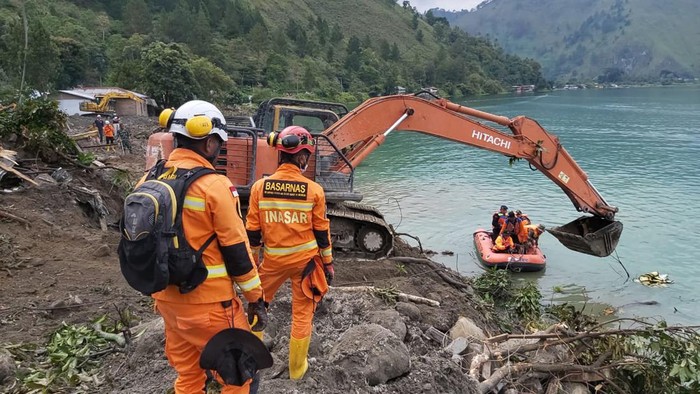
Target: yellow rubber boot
<point>259,334</point>
<point>298,364</point>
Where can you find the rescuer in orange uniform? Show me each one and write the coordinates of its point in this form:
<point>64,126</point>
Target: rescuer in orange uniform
<point>210,206</point>
<point>287,216</point>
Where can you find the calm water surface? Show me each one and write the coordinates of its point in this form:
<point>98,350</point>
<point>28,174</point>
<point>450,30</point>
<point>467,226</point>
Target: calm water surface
<point>640,147</point>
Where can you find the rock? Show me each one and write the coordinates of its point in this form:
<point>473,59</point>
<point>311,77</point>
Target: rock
<point>466,328</point>
<point>372,352</point>
<point>102,251</point>
<point>409,310</point>
<point>45,181</point>
<point>7,366</point>
<point>391,320</point>
<point>457,346</point>
<point>149,339</point>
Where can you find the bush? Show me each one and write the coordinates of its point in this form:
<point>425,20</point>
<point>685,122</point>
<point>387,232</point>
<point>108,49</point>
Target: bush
<point>39,128</point>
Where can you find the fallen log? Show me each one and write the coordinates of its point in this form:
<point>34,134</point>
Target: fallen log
<point>401,296</point>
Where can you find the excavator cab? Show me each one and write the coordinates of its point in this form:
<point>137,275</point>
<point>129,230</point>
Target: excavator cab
<point>592,235</point>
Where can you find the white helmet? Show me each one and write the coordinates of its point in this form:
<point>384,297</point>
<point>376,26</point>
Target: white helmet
<point>195,119</point>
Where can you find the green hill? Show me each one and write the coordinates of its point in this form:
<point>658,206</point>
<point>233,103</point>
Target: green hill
<point>610,39</point>
<point>224,50</point>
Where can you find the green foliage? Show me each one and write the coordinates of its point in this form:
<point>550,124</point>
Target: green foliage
<point>167,74</point>
<point>70,358</point>
<point>526,302</point>
<point>230,48</point>
<point>39,127</point>
<point>496,287</point>
<point>86,158</point>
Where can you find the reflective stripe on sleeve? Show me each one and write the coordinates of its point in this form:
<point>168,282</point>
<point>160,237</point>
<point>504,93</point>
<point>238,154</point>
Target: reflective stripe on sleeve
<point>216,271</point>
<point>327,252</point>
<point>250,284</point>
<point>298,206</point>
<point>292,249</point>
<point>193,203</point>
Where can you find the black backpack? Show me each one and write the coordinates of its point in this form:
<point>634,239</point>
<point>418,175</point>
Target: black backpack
<point>153,251</point>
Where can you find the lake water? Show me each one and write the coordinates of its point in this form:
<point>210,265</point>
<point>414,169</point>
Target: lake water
<point>639,146</point>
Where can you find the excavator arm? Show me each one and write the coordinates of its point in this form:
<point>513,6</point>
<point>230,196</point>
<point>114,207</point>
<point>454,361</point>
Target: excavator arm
<point>365,128</point>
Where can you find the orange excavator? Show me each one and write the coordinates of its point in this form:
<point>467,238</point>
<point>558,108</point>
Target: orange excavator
<point>345,138</point>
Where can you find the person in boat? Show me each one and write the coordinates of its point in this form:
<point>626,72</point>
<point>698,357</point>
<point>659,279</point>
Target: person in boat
<point>497,221</point>
<point>533,233</point>
<point>522,217</point>
<point>504,243</point>
<point>514,227</point>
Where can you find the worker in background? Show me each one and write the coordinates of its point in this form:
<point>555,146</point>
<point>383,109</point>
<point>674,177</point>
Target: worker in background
<point>514,227</point>
<point>116,122</point>
<point>124,138</point>
<point>287,217</point>
<point>109,135</point>
<point>504,243</point>
<point>211,207</point>
<point>100,124</point>
<point>497,221</point>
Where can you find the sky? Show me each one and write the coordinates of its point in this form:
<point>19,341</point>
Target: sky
<point>425,5</point>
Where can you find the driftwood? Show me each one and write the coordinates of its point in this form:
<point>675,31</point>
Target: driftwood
<point>10,216</point>
<point>436,335</point>
<point>116,338</point>
<point>19,174</point>
<point>81,136</point>
<point>401,296</point>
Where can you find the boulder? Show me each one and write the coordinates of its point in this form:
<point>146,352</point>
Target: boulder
<point>409,310</point>
<point>466,328</point>
<point>371,352</point>
<point>389,319</point>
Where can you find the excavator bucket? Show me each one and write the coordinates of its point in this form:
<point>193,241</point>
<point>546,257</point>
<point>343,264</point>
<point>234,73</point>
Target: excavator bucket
<point>592,235</point>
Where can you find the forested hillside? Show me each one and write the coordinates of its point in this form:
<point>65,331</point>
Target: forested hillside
<point>224,50</point>
<point>609,40</point>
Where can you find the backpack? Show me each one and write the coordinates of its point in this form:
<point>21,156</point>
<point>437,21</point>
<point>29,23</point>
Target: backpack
<point>153,251</point>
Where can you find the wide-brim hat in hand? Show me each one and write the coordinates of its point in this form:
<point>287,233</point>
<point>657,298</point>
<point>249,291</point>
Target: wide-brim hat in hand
<point>236,355</point>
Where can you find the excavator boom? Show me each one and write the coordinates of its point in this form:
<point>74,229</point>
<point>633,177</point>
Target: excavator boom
<point>365,128</point>
<point>347,138</point>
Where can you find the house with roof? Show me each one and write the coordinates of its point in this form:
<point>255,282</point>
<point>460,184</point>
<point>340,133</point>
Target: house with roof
<point>123,102</point>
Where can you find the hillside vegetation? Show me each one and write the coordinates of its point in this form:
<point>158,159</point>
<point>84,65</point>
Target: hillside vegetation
<point>225,50</point>
<point>610,40</point>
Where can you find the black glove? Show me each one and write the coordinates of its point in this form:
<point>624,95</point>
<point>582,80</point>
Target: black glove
<point>258,309</point>
<point>329,271</point>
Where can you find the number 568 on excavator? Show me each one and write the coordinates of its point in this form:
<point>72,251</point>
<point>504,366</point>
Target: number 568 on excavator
<point>345,138</point>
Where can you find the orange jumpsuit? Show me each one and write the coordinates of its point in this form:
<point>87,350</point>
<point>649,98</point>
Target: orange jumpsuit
<point>211,206</point>
<point>287,216</point>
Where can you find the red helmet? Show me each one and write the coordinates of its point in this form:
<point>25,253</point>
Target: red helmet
<point>292,140</point>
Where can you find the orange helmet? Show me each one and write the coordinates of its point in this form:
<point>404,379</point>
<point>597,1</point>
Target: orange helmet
<point>292,139</point>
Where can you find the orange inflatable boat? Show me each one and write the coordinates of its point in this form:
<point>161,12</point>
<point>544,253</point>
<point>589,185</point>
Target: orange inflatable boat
<point>532,260</point>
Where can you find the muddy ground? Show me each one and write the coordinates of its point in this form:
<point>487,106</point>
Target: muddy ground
<point>61,266</point>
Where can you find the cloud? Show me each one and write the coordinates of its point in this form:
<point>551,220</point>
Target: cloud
<point>457,5</point>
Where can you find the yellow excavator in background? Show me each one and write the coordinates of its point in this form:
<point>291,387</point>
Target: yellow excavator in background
<point>104,104</point>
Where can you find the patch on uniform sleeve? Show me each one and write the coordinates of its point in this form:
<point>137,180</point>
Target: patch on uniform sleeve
<point>234,191</point>
<point>274,188</point>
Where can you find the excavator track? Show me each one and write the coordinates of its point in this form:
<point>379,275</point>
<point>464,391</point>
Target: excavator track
<point>359,231</point>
